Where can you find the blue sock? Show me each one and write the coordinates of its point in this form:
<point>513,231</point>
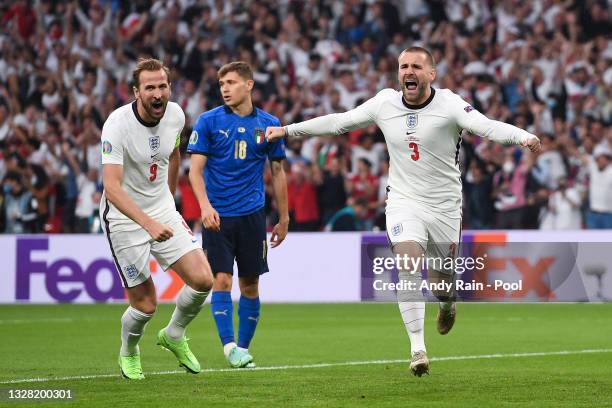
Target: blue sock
<point>222,311</point>
<point>248,312</point>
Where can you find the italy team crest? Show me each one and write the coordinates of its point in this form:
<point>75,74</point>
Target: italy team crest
<point>412,120</point>
<point>259,135</point>
<point>154,142</point>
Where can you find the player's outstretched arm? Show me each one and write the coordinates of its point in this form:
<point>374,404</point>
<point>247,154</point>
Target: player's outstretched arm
<point>279,183</point>
<point>112,176</point>
<point>477,123</point>
<point>209,216</point>
<point>333,124</point>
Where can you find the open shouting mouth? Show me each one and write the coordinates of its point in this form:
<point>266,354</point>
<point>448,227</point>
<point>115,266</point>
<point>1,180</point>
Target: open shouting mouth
<point>411,84</point>
<point>157,105</point>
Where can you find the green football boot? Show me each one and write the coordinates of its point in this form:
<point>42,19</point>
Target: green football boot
<point>239,358</point>
<point>181,351</point>
<point>130,367</point>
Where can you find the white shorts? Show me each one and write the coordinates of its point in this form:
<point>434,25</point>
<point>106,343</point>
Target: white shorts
<point>132,249</point>
<point>437,233</point>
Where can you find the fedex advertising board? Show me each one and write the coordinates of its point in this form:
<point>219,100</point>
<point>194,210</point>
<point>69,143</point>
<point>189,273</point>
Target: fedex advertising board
<point>324,267</point>
<point>80,269</point>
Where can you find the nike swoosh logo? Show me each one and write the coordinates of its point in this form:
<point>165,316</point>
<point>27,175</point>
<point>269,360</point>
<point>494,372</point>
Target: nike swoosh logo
<point>153,155</point>
<point>410,133</point>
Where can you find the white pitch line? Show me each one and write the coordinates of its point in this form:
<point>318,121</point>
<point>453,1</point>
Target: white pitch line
<point>53,320</point>
<point>37,321</point>
<point>320,365</point>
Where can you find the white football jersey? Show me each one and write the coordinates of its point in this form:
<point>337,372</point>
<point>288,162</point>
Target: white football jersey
<point>423,142</point>
<point>144,152</point>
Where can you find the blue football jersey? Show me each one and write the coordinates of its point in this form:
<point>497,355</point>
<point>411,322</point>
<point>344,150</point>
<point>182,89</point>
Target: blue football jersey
<point>237,149</point>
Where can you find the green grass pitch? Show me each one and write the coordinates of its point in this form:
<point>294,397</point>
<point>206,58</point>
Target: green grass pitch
<point>83,340</point>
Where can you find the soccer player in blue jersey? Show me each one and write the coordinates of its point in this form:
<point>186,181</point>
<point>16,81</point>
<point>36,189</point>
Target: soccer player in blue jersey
<point>228,153</point>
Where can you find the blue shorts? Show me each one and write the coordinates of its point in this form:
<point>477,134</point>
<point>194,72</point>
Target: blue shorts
<point>241,238</point>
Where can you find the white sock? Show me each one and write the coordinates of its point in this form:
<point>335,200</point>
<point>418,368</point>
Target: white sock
<point>228,347</point>
<point>133,323</point>
<point>246,350</point>
<point>413,314</point>
<point>412,308</point>
<point>189,302</point>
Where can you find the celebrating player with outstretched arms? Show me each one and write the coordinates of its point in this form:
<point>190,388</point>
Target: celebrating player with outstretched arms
<point>140,158</point>
<point>422,127</point>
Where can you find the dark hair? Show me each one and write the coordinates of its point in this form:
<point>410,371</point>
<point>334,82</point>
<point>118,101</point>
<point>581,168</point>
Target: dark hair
<point>148,64</point>
<point>240,67</point>
<point>430,58</point>
<point>13,176</point>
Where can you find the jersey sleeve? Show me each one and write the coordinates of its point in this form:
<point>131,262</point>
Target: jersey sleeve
<point>276,150</point>
<point>177,143</point>
<point>112,142</point>
<point>199,141</point>
<point>475,122</point>
<point>338,123</point>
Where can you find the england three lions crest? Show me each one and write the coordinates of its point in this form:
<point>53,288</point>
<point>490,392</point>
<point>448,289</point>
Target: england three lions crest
<point>412,120</point>
<point>154,142</point>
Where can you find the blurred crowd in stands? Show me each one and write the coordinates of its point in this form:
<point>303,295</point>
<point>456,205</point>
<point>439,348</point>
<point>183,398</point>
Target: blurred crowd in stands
<point>542,65</point>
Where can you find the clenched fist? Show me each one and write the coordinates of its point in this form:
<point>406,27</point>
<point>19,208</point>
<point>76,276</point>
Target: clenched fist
<point>273,133</point>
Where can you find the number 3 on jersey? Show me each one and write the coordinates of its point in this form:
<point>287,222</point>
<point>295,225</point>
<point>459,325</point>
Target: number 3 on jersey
<point>240,149</point>
<point>415,151</point>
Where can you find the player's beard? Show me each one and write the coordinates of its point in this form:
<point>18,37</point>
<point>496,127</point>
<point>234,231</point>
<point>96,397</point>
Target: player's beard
<point>156,115</point>
<point>415,98</point>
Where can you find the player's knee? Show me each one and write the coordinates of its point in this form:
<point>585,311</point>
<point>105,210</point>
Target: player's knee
<point>148,306</point>
<point>411,249</point>
<point>203,283</point>
<point>250,290</point>
<point>222,282</point>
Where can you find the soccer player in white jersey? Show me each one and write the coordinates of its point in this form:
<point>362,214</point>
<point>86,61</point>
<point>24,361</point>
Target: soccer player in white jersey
<point>422,128</point>
<point>140,157</point>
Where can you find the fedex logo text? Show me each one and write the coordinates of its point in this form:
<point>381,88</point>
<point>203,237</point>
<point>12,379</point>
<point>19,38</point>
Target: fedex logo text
<point>63,270</point>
